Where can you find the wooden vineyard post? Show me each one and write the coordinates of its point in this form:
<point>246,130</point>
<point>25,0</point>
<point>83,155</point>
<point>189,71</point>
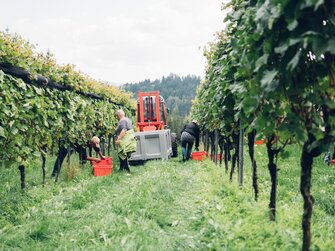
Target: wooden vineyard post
<point>90,151</point>
<point>68,160</point>
<point>306,163</point>
<point>226,152</point>
<point>216,143</point>
<point>43,152</point>
<point>22,176</point>
<point>58,163</point>
<point>43,168</point>
<point>102,145</point>
<point>206,142</point>
<point>80,154</point>
<point>272,166</point>
<point>114,145</point>
<point>240,158</point>
<point>235,156</point>
<point>251,146</point>
<point>69,157</point>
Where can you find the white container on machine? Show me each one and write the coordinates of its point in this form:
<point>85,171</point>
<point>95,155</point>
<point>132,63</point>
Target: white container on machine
<point>152,145</point>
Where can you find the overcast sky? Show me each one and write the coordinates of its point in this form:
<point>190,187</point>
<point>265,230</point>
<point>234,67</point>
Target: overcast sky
<point>119,41</point>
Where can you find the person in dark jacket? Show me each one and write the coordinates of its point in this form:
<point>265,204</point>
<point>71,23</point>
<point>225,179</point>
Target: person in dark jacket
<point>189,134</point>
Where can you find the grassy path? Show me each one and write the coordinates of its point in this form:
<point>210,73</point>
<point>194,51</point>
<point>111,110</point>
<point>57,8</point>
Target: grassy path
<point>153,209</point>
<point>165,205</point>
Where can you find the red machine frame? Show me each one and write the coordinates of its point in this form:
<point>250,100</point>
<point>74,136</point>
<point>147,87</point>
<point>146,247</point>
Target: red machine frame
<point>151,112</point>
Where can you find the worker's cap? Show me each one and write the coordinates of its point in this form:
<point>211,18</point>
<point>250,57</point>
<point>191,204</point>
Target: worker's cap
<point>195,121</point>
<point>95,141</point>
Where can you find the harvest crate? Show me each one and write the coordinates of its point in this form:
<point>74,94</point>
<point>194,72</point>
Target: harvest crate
<point>259,142</point>
<point>199,155</point>
<point>103,167</point>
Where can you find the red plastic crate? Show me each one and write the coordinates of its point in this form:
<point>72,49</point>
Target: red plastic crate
<point>103,167</point>
<point>259,142</point>
<point>333,161</point>
<point>199,155</point>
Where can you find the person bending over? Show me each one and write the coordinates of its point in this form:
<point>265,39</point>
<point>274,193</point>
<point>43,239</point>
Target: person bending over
<point>189,134</point>
<point>94,143</point>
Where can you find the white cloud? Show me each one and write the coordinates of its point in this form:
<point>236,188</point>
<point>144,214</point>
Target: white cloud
<point>121,41</point>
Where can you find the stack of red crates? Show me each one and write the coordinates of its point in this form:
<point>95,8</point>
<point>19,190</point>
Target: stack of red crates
<point>199,155</point>
<point>103,167</point>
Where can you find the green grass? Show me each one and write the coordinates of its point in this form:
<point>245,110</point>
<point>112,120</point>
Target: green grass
<point>164,205</point>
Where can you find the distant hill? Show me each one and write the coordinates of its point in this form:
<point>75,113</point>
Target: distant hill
<point>177,91</point>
